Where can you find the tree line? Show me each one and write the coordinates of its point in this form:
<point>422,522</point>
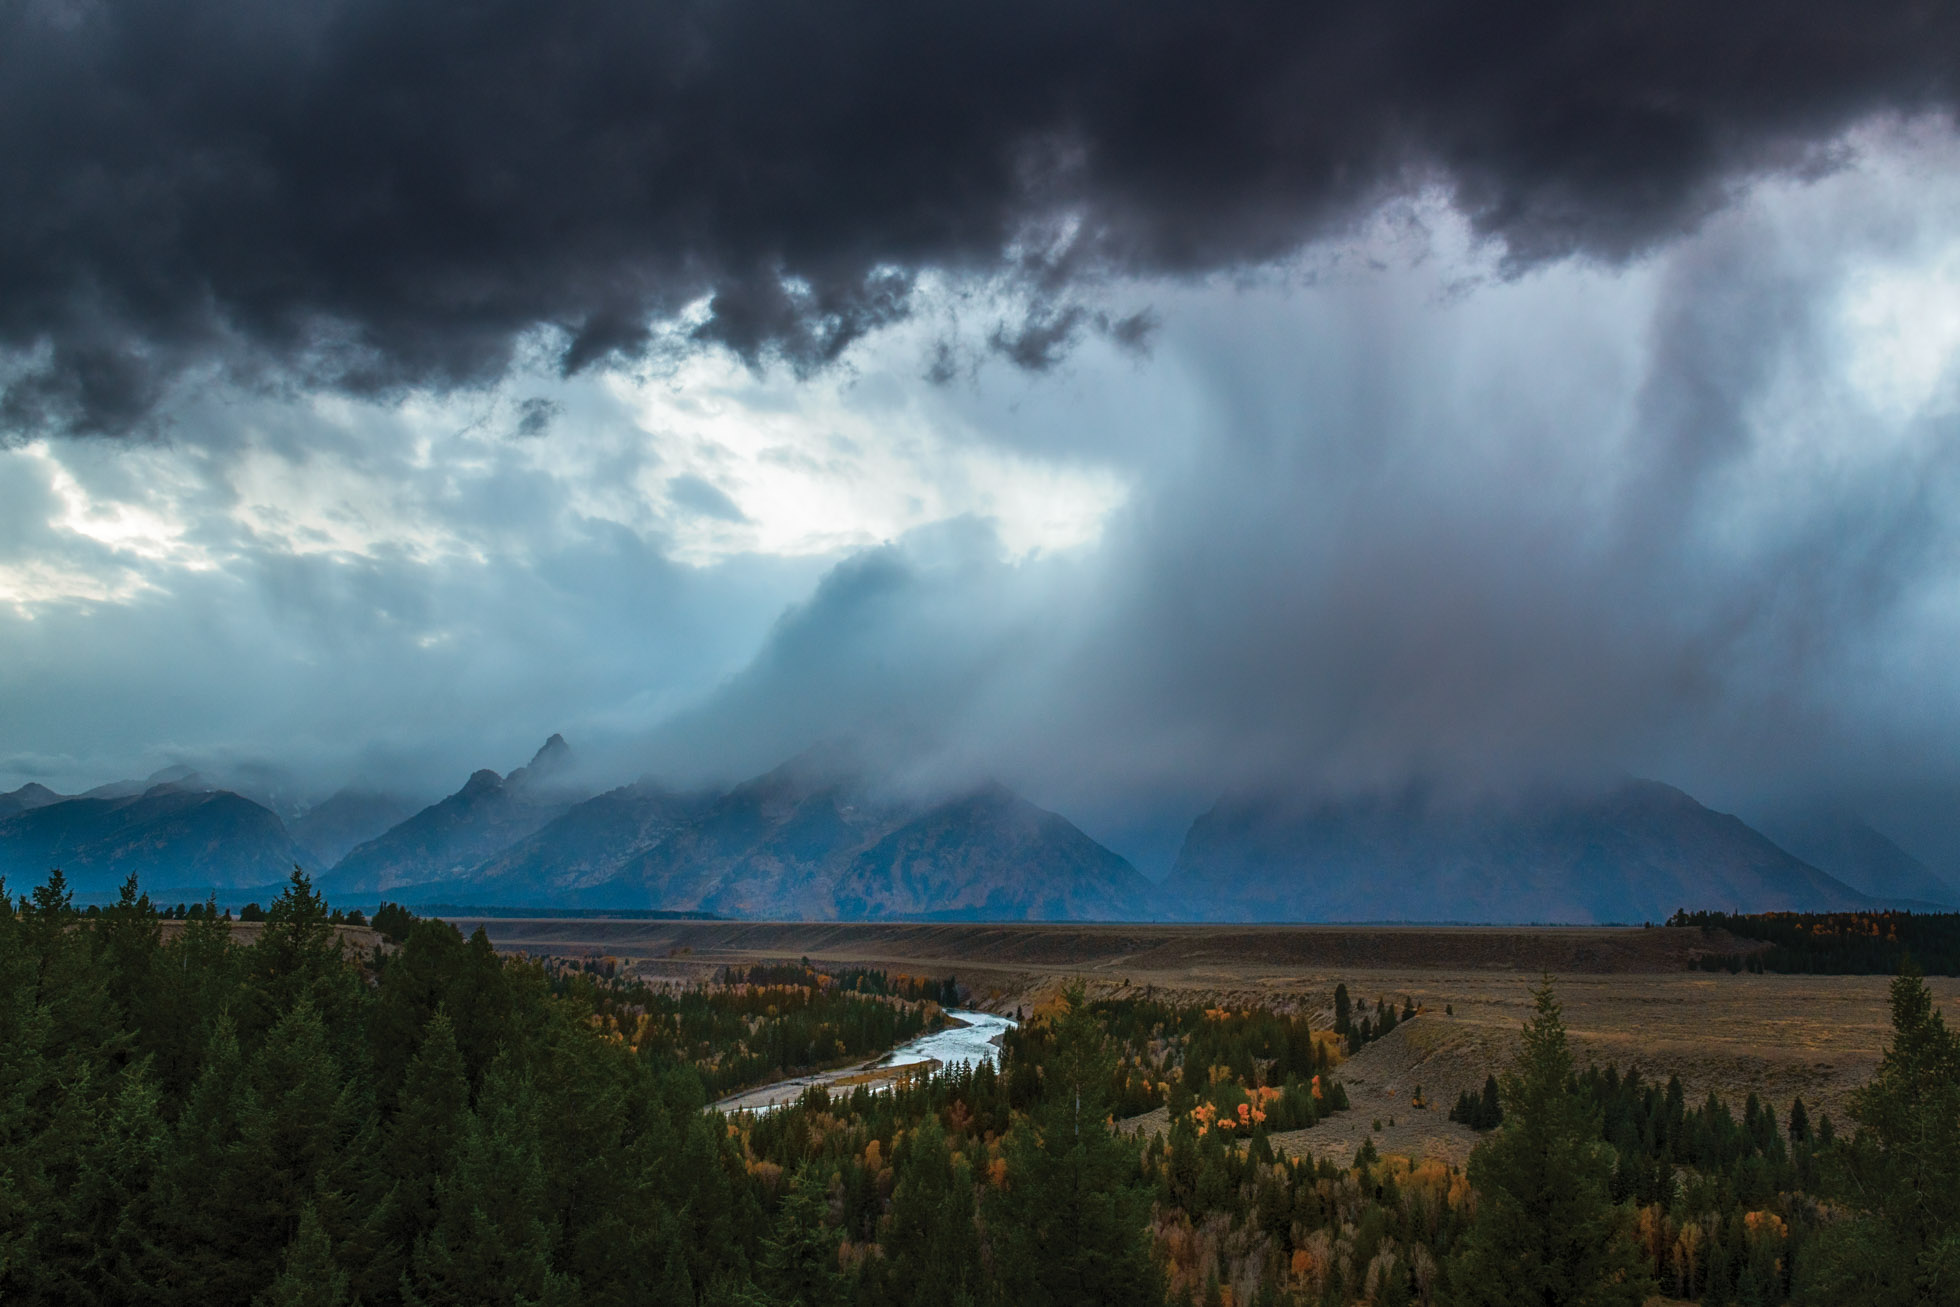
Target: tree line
<point>1832,943</point>
<point>193,1120</point>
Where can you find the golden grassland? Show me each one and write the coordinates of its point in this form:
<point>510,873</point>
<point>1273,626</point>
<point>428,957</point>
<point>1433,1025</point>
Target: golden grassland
<point>1629,999</point>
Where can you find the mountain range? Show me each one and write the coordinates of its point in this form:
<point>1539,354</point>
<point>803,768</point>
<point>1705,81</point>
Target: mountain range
<point>1635,853</point>
<point>814,838</point>
<point>169,834</point>
<point>822,837</point>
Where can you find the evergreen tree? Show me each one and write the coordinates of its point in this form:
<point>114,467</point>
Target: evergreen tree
<point>1901,1170</point>
<point>1343,1010</point>
<point>25,1081</point>
<point>930,1241</point>
<point>1479,1111</point>
<point>298,956</point>
<point>421,1143</point>
<point>1546,1232</point>
<point>1069,1227</point>
<point>493,1235</point>
<point>605,1143</point>
<point>300,1136</point>
<point>799,1262</point>
<point>1490,1106</point>
<point>309,1276</point>
<point>128,939</point>
<point>113,1217</point>
<point>192,980</point>
<point>210,1246</point>
<point>60,1044</point>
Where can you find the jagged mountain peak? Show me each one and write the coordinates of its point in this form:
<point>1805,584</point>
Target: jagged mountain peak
<point>549,766</point>
<point>449,839</point>
<point>481,781</point>
<point>818,837</point>
<point>182,775</point>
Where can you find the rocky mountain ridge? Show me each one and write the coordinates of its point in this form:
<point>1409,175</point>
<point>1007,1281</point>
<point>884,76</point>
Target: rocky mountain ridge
<point>822,837</point>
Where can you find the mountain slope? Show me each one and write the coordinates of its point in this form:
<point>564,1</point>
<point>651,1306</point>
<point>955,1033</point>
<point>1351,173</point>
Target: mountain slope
<point>1838,842</point>
<point>1636,853</point>
<point>814,839</point>
<point>171,838</point>
<point>29,796</point>
<point>448,840</point>
<point>991,856</point>
<point>587,845</point>
<point>770,847</point>
<point>351,817</point>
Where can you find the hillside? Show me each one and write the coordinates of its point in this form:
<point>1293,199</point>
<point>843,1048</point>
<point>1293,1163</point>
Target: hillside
<point>814,838</point>
<point>448,840</point>
<point>991,856</point>
<point>169,837</point>
<point>823,838</point>
<point>1841,843</point>
<point>28,796</point>
<point>1635,853</point>
<point>587,845</point>
<point>350,817</point>
<point>770,847</point>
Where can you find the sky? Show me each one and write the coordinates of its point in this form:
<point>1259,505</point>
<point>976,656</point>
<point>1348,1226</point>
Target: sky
<point>1135,404</point>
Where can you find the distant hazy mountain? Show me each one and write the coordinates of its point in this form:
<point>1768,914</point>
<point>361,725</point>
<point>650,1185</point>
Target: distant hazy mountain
<point>815,838</point>
<point>588,844</point>
<point>448,840</point>
<point>771,847</point>
<point>351,817</point>
<point>991,856</point>
<point>31,795</point>
<point>822,838</point>
<point>171,837</point>
<point>1634,854</point>
<point>1839,842</point>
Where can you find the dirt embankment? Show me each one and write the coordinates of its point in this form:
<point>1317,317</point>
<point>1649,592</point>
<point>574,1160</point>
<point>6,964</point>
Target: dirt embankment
<point>358,940</point>
<point>1098,948</point>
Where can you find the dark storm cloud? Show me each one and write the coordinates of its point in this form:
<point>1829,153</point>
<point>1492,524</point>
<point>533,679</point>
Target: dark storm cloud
<point>1550,532</point>
<point>369,194</point>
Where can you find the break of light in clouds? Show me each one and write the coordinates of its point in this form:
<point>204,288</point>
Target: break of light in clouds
<point>1508,400</point>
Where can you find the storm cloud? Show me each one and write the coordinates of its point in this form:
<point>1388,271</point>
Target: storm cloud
<point>1695,520</point>
<point>373,197</point>
<point>1133,405</point>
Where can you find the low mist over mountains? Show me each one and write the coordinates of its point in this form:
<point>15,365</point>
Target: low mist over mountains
<point>1634,854</point>
<point>330,829</point>
<point>1858,855</point>
<point>815,838</point>
<point>449,839</point>
<point>169,835</point>
<point>821,837</point>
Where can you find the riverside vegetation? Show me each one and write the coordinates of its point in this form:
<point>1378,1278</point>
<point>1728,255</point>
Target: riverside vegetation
<point>192,1120</point>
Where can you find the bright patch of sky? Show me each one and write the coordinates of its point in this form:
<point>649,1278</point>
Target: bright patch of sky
<point>770,464</point>
<point>1903,323</point>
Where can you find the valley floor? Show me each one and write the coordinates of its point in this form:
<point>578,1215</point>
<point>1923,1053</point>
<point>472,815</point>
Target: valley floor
<point>1629,997</point>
